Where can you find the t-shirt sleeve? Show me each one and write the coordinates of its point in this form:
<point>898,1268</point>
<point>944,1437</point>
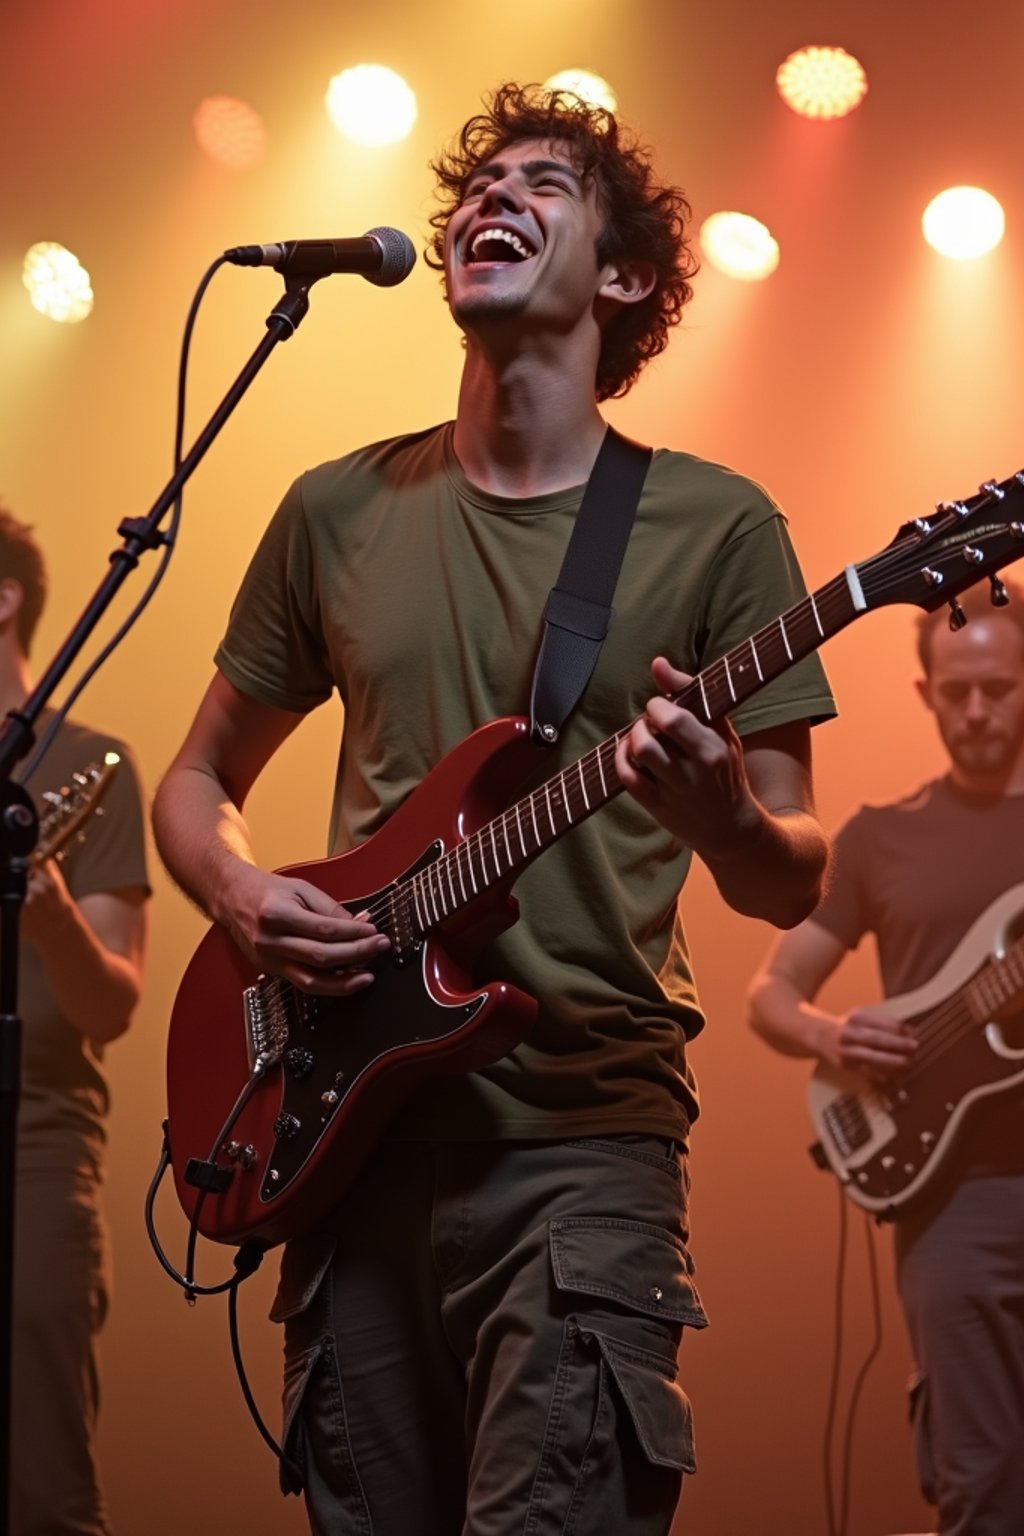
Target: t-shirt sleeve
<point>844,910</point>
<point>111,855</point>
<point>274,649</point>
<point>754,578</point>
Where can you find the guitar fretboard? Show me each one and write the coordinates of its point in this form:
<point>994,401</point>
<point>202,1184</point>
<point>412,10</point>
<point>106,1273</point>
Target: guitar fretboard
<point>998,984</point>
<point>501,850</point>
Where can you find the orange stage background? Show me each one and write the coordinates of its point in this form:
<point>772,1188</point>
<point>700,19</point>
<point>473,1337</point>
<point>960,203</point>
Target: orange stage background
<point>865,381</point>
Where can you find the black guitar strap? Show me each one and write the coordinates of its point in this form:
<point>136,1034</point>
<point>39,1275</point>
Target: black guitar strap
<point>578,611</point>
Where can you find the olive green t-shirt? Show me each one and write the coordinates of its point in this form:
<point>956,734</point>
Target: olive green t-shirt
<point>388,575</point>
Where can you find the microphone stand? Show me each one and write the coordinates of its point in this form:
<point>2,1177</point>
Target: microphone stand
<point>19,822</point>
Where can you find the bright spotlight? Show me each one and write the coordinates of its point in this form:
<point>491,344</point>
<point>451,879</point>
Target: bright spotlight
<point>371,105</point>
<point>739,246</point>
<point>963,222</point>
<point>230,132</point>
<point>592,89</point>
<point>821,82</point>
<point>57,283</point>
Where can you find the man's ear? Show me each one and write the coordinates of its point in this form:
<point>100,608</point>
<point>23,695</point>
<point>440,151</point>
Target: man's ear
<point>924,691</point>
<point>628,282</point>
<point>11,598</point>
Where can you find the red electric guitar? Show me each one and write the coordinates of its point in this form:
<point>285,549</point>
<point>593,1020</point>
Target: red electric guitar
<point>275,1096</point>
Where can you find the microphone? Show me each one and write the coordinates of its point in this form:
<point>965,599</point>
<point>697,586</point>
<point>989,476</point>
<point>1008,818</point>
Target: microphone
<point>382,256</point>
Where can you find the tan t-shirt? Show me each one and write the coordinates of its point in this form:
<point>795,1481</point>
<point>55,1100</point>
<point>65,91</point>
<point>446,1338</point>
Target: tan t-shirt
<point>388,575</point>
<point>64,1094</point>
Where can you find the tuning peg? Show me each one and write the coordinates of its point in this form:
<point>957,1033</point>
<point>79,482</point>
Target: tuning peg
<point>957,617</point>
<point>1000,596</point>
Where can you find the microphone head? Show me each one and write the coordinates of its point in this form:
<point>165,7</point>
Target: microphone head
<point>398,253</point>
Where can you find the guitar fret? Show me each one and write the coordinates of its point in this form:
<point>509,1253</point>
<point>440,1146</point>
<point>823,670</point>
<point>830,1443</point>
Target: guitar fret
<point>533,817</point>
<point>458,866</point>
<point>519,829</point>
<point>814,610</point>
<point>785,637</point>
<point>600,768</point>
<point>728,678</point>
<point>451,882</point>
<point>704,697</point>
<point>508,845</point>
<point>494,851</point>
<point>583,785</point>
<point>551,819</point>
<point>757,662</point>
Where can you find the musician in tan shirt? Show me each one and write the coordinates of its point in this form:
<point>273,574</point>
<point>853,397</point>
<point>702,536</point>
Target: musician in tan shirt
<point>918,874</point>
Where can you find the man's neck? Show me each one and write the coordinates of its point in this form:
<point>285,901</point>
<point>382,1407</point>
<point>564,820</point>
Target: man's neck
<point>992,785</point>
<point>524,428</point>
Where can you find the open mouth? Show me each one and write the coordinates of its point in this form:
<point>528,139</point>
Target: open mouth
<point>498,245</point>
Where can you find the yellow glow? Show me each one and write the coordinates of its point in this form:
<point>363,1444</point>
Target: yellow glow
<point>821,82</point>
<point>592,89</point>
<point>57,283</point>
<point>739,246</point>
<point>230,132</point>
<point>371,105</point>
<point>963,222</point>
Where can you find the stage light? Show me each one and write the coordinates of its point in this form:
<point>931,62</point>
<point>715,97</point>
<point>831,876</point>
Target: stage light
<point>963,222</point>
<point>57,283</point>
<point>230,132</point>
<point>371,105</point>
<point>821,82</point>
<point>739,246</point>
<point>592,89</point>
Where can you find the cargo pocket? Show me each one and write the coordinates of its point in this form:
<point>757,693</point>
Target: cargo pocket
<point>638,1278</point>
<point>297,1375</point>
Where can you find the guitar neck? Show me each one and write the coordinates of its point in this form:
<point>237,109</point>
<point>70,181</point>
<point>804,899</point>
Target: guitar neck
<point>501,849</point>
<point>997,986</point>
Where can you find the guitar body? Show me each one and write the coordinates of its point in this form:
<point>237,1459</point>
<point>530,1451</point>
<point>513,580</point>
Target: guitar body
<point>344,1064</point>
<point>886,1143</point>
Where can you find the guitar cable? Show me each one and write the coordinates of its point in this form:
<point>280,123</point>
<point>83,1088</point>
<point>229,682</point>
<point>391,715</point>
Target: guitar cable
<point>167,540</point>
<point>838,1519</point>
<point>246,1262</point>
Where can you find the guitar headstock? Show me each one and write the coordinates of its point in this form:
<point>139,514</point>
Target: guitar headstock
<point>70,807</point>
<point>933,559</point>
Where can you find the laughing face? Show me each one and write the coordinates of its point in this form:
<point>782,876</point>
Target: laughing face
<point>522,243</point>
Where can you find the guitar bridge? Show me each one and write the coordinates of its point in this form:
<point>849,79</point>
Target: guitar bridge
<point>847,1123</point>
<point>266,1021</point>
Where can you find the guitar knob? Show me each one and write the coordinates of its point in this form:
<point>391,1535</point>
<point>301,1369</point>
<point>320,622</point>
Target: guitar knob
<point>957,617</point>
<point>1000,596</point>
<point>286,1126</point>
<point>299,1061</point>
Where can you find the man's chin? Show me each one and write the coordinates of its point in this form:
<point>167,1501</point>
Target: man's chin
<point>983,757</point>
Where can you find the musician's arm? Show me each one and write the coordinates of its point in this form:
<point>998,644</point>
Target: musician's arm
<point>92,950</point>
<point>746,807</point>
<point>781,995</point>
<point>783,1010</point>
<point>285,925</point>
<point>200,831</point>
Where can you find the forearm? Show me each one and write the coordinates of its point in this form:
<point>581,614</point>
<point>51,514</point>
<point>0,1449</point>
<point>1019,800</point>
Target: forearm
<point>202,837</point>
<point>790,1022</point>
<point>95,989</point>
<point>773,867</point>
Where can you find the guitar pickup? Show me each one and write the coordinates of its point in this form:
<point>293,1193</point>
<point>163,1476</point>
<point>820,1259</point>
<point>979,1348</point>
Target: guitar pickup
<point>847,1123</point>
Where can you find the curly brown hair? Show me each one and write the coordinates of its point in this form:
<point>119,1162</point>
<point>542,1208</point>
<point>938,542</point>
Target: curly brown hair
<point>644,220</point>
